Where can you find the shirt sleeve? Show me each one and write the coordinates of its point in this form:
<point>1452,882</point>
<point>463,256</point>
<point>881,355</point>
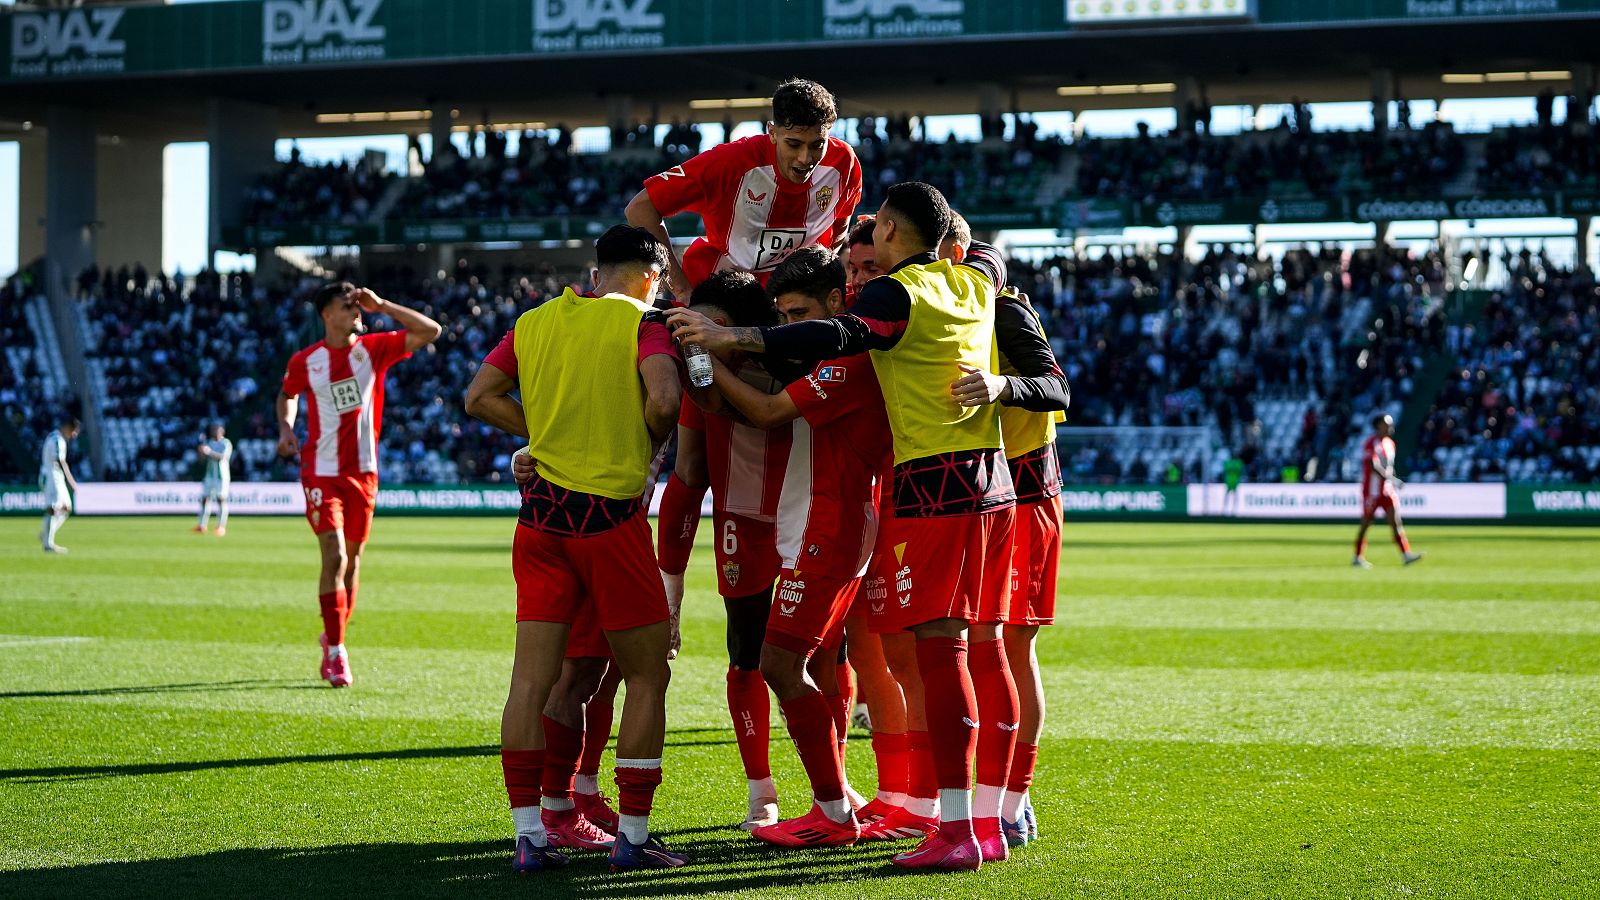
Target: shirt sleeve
<point>654,340</point>
<point>850,200</point>
<point>875,322</point>
<point>1039,385</point>
<point>294,378</point>
<point>685,187</point>
<point>387,348</point>
<point>504,354</point>
<point>831,392</point>
<point>988,261</point>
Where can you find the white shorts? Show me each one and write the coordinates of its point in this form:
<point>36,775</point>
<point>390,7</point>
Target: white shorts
<point>214,490</point>
<point>55,493</point>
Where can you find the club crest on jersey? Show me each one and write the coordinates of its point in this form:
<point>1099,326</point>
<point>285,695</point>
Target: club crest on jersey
<point>824,198</point>
<point>730,573</point>
<point>358,355</point>
<point>834,374</point>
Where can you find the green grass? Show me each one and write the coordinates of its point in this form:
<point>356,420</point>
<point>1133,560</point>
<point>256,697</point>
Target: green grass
<point>1234,713</point>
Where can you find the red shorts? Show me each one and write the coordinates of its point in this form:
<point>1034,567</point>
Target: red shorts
<point>610,578</point>
<point>1035,559</point>
<point>747,554</point>
<point>586,638</point>
<point>947,567</point>
<point>341,503</point>
<point>808,611</point>
<point>1371,505</point>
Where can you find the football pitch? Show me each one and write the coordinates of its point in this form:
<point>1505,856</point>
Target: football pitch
<point>1234,712</point>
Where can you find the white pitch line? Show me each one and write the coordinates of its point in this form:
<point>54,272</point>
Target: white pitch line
<point>17,641</point>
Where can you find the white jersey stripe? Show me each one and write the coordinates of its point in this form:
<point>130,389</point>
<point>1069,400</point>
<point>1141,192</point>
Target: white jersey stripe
<point>747,460</point>
<point>366,444</point>
<point>794,503</point>
<point>819,218</point>
<point>319,376</point>
<point>757,191</point>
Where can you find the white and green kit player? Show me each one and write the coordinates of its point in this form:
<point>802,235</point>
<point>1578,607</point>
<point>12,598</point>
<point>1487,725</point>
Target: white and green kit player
<point>56,483</point>
<point>218,454</point>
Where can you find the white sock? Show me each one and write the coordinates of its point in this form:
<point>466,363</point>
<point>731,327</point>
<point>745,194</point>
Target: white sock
<point>1011,806</point>
<point>986,801</point>
<point>891,798</point>
<point>529,824</point>
<point>52,524</point>
<point>635,828</point>
<point>337,650</point>
<point>586,784</point>
<point>837,810</point>
<point>762,789</point>
<point>955,805</point>
<point>222,514</point>
<point>44,527</point>
<point>556,804</point>
<point>205,513</point>
<point>926,807</point>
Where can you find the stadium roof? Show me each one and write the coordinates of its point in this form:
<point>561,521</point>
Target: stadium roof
<point>1239,62</point>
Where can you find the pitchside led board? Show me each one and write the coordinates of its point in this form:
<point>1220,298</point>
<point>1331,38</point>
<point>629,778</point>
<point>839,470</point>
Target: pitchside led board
<point>109,42</point>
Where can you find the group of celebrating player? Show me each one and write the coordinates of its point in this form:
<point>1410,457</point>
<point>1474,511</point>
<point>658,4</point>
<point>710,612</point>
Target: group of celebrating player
<point>877,437</point>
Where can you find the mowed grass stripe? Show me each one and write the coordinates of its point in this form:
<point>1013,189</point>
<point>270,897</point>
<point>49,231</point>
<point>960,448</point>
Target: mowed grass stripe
<point>1338,613</point>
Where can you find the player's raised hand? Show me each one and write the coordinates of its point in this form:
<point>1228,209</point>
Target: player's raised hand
<point>369,301</point>
<point>691,327</point>
<point>978,387</point>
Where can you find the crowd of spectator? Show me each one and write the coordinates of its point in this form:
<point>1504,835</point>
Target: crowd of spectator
<point>1186,164</point>
<point>295,192</point>
<point>1523,400</point>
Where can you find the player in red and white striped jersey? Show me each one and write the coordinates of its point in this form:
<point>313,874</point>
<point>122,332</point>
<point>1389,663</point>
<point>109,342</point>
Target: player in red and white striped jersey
<point>761,198</point>
<point>1380,489</point>
<point>343,374</point>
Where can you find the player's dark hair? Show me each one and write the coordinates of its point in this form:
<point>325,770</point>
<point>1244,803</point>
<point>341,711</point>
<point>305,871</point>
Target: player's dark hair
<point>798,103</point>
<point>862,233</point>
<point>625,245</point>
<point>330,292</point>
<point>1377,419</point>
<point>812,271</point>
<point>739,295</point>
<point>920,208</point>
<point>70,423</point>
<point>960,231</point>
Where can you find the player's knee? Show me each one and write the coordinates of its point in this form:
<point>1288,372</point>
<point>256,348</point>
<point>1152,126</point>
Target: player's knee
<point>783,671</point>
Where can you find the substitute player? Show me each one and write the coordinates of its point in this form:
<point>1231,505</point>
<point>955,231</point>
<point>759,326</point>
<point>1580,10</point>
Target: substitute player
<point>343,373</point>
<point>217,451</point>
<point>1007,757</point>
<point>600,389</point>
<point>926,323</point>
<point>56,482</point>
<point>1380,489</point>
<point>826,530</point>
<point>761,198</point>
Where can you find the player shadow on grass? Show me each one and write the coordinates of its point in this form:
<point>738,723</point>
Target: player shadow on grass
<point>476,869</point>
<point>45,774</point>
<point>287,684</point>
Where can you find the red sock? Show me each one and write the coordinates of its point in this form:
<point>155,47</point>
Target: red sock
<point>751,710</point>
<point>952,709</point>
<point>676,524</point>
<point>894,762</point>
<point>811,726</point>
<point>523,769</point>
<point>847,686</point>
<point>1022,763</point>
<point>636,789</point>
<point>333,606</point>
<point>839,713</point>
<point>563,745</point>
<point>1400,538</point>
<point>1361,545</point>
<point>920,780</point>
<point>596,734</point>
<point>350,599</point>
<point>998,710</point>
